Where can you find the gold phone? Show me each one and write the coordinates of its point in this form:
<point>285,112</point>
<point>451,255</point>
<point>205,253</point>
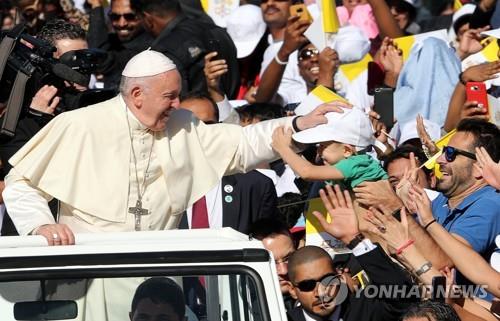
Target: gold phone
<point>301,10</point>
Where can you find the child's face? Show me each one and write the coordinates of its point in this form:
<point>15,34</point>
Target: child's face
<point>333,152</point>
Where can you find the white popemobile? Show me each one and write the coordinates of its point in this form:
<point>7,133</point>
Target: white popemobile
<point>95,279</point>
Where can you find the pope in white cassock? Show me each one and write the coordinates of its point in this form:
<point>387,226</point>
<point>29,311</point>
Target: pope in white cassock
<point>134,162</point>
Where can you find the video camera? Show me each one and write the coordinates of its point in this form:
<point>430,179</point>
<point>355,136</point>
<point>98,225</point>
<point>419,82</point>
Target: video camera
<point>27,64</point>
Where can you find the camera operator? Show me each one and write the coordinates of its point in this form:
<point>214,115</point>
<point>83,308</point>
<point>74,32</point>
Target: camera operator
<point>65,37</point>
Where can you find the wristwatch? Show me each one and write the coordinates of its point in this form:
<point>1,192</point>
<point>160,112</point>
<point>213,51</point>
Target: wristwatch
<point>355,241</point>
<point>424,268</point>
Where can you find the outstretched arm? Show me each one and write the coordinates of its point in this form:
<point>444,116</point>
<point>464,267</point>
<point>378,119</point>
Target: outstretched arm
<point>282,142</point>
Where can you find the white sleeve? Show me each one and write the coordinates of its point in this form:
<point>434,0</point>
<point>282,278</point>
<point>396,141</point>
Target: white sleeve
<point>255,145</point>
<point>27,206</point>
<point>225,109</point>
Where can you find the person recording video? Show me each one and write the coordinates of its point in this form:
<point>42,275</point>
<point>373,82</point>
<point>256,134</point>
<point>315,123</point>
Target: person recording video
<point>65,37</point>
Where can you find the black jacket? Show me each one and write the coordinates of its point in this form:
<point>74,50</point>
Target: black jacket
<point>186,42</point>
<point>253,197</point>
<point>381,271</point>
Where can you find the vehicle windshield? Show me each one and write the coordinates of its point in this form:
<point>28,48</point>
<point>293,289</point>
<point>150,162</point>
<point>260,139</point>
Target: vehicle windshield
<point>138,295</point>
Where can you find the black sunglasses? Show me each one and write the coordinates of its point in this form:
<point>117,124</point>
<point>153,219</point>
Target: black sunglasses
<point>308,53</point>
<point>127,16</point>
<point>450,153</point>
<point>329,279</point>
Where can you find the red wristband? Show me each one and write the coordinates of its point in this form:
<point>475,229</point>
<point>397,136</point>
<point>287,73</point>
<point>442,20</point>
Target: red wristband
<point>404,246</point>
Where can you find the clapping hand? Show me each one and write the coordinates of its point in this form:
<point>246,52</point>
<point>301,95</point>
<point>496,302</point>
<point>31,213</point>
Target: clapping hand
<point>410,178</point>
<point>425,138</point>
<point>488,168</point>
<point>421,203</point>
<point>391,57</point>
<point>395,233</point>
<point>344,222</point>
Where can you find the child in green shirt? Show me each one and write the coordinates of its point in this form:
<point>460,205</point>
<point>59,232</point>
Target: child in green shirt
<point>342,141</point>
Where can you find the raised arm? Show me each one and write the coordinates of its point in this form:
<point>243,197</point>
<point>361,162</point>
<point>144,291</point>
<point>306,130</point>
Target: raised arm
<point>387,25</point>
<point>282,143</point>
<point>271,77</point>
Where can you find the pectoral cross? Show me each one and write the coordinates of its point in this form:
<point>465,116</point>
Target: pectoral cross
<point>138,211</point>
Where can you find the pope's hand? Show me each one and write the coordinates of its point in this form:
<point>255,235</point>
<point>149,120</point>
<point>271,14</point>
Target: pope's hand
<point>56,234</point>
<point>317,116</point>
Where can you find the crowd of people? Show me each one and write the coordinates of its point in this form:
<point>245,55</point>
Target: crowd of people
<point>209,128</point>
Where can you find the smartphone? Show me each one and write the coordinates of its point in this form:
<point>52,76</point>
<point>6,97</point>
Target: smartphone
<point>476,91</point>
<point>384,105</point>
<point>300,9</point>
<point>438,289</point>
<point>214,45</point>
<point>376,77</point>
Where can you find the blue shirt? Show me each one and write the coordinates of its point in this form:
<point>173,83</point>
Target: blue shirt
<point>476,219</point>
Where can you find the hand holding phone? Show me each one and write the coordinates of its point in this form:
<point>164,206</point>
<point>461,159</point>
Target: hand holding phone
<point>476,91</point>
<point>384,105</point>
<point>301,10</point>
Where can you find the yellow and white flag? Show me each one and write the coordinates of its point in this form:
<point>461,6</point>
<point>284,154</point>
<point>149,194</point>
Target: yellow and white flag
<point>407,43</point>
<point>318,96</point>
<point>219,10</point>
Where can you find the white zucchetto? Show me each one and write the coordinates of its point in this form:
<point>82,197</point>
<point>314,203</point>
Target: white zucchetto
<point>148,63</point>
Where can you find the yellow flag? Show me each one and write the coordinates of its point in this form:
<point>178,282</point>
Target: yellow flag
<point>204,4</point>
<point>352,71</point>
<point>326,95</point>
<point>312,223</point>
<point>457,5</point>
<point>490,52</point>
<point>331,22</point>
<point>440,143</point>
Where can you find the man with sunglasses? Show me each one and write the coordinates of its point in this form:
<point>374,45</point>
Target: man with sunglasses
<point>127,40</point>
<point>468,208</point>
<point>326,294</point>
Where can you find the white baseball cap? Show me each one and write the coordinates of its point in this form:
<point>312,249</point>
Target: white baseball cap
<point>246,27</point>
<point>351,127</point>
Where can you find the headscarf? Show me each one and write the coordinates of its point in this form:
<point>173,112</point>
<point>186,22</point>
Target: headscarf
<point>426,82</point>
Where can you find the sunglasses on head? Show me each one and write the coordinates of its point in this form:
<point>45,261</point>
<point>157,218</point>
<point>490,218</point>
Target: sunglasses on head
<point>450,153</point>
<point>310,284</point>
<point>127,16</point>
<point>308,53</point>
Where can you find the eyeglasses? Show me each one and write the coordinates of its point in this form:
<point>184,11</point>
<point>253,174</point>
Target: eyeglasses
<point>450,153</point>
<point>127,16</point>
<point>327,280</point>
<point>308,53</point>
